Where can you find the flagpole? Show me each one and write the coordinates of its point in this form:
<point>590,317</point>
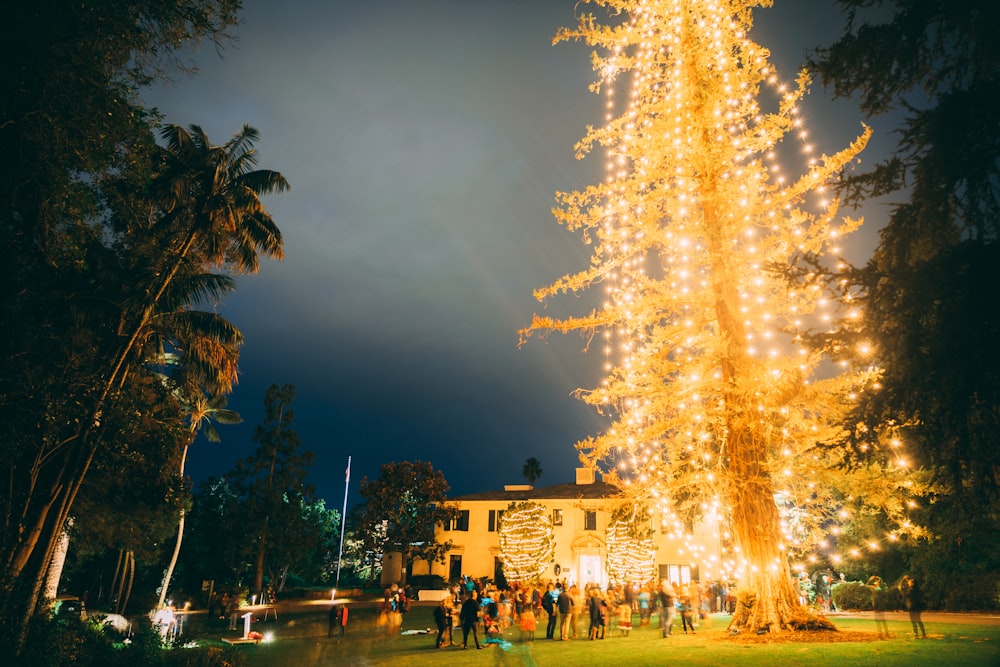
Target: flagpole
<point>343,523</point>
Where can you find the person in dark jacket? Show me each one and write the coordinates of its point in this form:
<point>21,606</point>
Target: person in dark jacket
<point>338,620</point>
<point>565,604</point>
<point>469,617</point>
<point>913,600</point>
<point>549,605</point>
<point>596,609</point>
<point>667,598</point>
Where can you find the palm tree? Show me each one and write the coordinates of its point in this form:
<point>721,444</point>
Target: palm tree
<point>202,411</point>
<point>532,470</point>
<point>213,215</point>
<point>209,214</point>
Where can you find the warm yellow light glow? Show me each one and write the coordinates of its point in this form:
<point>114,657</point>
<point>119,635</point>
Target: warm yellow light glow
<point>526,542</point>
<point>709,384</point>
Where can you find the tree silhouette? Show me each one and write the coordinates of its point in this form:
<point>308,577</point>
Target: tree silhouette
<point>532,470</point>
<point>403,508</point>
<point>927,292</point>
<point>271,482</point>
<point>202,211</point>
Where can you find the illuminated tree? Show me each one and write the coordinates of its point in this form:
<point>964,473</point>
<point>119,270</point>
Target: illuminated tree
<point>711,393</point>
<point>631,549</point>
<point>526,542</point>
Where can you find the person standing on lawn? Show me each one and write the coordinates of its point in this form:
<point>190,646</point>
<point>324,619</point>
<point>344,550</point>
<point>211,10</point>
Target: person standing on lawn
<point>685,600</point>
<point>443,622</point>
<point>338,620</point>
<point>913,600</point>
<point>469,617</point>
<point>876,586</point>
<point>565,603</point>
<point>549,605</point>
<point>667,599</point>
<point>596,607</point>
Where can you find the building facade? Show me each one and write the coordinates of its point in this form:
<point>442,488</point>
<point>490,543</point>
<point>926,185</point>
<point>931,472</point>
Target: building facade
<point>580,513</point>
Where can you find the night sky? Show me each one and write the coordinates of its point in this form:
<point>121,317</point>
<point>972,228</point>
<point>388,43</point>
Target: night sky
<point>425,142</point>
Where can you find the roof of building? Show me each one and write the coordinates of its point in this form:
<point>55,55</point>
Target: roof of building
<point>568,491</point>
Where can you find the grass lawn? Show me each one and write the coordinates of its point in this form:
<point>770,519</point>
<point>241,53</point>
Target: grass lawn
<point>300,641</point>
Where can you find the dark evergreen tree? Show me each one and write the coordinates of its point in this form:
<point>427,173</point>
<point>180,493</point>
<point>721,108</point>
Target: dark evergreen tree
<point>271,485</point>
<point>929,307</point>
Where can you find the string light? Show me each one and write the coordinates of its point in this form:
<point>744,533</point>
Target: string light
<point>703,343</point>
<point>527,544</point>
<point>631,550</point>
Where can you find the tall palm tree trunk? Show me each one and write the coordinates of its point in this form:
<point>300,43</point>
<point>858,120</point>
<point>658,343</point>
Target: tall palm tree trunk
<point>180,535</point>
<point>76,459</point>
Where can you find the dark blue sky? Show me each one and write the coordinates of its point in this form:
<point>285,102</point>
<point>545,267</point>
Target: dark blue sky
<point>424,142</point>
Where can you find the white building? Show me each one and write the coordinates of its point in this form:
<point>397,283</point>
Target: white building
<point>580,513</point>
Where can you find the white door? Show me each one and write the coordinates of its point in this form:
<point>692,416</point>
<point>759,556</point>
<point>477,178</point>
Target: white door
<point>591,571</point>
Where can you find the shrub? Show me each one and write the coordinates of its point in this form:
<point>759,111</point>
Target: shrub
<point>65,641</point>
<point>210,656</point>
<point>852,595</point>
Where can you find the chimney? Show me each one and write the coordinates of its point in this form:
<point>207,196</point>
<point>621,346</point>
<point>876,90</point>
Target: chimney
<point>585,476</point>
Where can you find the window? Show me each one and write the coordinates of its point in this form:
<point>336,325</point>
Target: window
<point>494,523</point>
<point>678,574</point>
<point>460,522</point>
<point>556,517</point>
<point>590,519</point>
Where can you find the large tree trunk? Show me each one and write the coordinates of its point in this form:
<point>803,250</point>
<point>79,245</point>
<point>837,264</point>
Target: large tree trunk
<point>258,577</point>
<point>123,604</point>
<point>56,564</point>
<point>34,556</point>
<point>766,600</point>
<point>173,562</point>
<point>122,582</point>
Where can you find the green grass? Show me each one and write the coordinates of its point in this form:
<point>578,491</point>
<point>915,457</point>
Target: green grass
<point>300,641</point>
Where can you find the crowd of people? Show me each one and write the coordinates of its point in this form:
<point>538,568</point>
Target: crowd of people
<point>566,609</point>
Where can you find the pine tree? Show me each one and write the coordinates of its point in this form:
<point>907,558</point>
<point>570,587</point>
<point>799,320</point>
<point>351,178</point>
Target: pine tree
<point>712,394</point>
<point>272,480</point>
<point>927,290</point>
